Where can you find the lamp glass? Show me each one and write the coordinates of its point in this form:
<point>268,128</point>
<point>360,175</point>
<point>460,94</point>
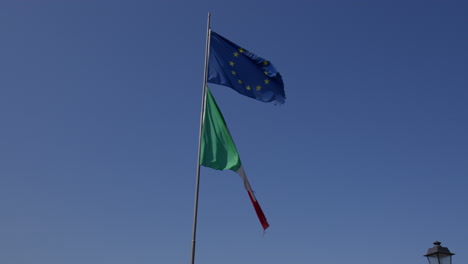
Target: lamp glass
<point>440,258</point>
<point>433,259</point>
<point>445,258</point>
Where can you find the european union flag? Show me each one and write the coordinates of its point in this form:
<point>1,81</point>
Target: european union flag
<point>243,71</point>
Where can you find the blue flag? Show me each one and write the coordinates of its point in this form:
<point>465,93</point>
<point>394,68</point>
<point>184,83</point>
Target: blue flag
<point>243,71</point>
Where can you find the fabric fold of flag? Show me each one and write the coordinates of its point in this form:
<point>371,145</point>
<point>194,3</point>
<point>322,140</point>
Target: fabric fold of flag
<point>219,152</point>
<point>248,74</point>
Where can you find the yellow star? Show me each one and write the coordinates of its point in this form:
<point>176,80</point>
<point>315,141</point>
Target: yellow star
<point>239,81</point>
<point>266,73</point>
<point>231,63</point>
<point>233,72</point>
<point>236,54</point>
<point>248,87</point>
<point>265,62</point>
<point>259,87</point>
<point>241,50</point>
<point>267,81</point>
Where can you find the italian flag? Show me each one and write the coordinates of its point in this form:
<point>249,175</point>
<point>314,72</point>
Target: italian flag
<point>219,152</point>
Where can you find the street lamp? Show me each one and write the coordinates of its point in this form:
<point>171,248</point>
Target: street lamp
<point>439,255</point>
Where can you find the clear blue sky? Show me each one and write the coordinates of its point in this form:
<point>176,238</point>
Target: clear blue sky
<point>366,162</point>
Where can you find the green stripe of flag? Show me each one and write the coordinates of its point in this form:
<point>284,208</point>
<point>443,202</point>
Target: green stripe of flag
<point>218,150</point>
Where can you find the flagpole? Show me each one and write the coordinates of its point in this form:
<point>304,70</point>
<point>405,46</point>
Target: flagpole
<point>202,116</point>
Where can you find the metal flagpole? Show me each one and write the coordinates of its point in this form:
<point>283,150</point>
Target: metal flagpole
<point>202,116</point>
